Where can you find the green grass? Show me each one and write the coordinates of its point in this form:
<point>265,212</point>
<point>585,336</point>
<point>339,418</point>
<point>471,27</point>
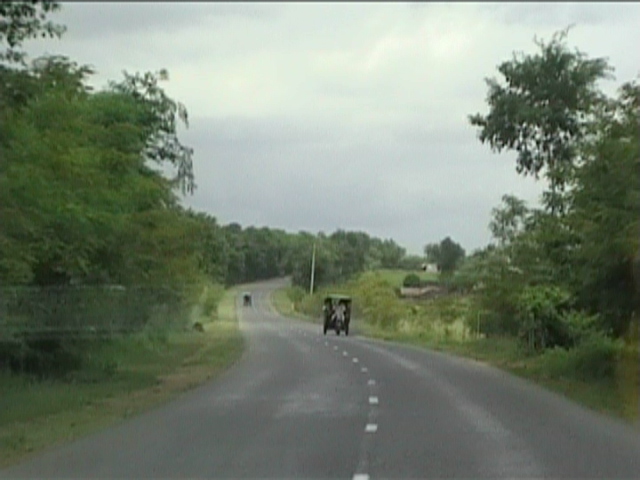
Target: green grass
<point>120,379</point>
<point>283,305</point>
<point>505,353</point>
<point>395,277</point>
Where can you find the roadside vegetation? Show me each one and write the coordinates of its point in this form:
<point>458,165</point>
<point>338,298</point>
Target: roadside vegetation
<point>107,282</point>
<point>109,286</point>
<point>554,297</point>
<point>119,378</point>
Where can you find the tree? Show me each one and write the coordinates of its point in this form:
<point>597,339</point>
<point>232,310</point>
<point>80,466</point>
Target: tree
<point>605,214</point>
<point>543,111</point>
<point>22,20</point>
<point>391,254</point>
<point>509,221</point>
<point>352,249</point>
<point>75,180</point>
<point>162,144</point>
<point>411,262</point>
<point>446,254</point>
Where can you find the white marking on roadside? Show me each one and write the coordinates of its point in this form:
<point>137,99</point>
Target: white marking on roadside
<point>371,428</point>
<point>371,382</point>
<point>344,354</point>
<point>373,400</point>
<point>355,360</point>
<point>364,369</point>
<point>361,476</point>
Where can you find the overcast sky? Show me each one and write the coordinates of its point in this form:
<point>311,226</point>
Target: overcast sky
<point>323,116</point>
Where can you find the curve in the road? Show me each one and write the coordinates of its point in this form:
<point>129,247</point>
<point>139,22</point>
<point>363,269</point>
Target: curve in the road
<point>303,405</point>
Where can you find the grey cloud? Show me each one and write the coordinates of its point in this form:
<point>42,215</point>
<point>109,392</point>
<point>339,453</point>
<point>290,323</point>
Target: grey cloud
<point>94,20</point>
<point>293,127</point>
<point>299,180</point>
<point>562,14</point>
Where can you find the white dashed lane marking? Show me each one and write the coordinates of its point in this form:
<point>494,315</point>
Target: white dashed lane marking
<point>361,476</point>
<point>335,347</point>
<point>344,354</point>
<point>373,401</point>
<point>371,428</point>
<point>371,382</point>
<point>355,360</point>
<point>364,369</point>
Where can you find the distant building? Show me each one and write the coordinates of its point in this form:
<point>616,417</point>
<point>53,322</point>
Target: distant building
<point>430,267</point>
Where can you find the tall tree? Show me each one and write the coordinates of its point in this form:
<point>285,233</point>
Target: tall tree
<point>543,110</point>
<point>446,255</point>
<point>605,213</point>
<point>163,145</point>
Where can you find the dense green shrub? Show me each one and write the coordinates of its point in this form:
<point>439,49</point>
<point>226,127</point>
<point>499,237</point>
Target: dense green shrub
<point>211,298</point>
<point>412,281</point>
<point>540,312</point>
<point>594,358</point>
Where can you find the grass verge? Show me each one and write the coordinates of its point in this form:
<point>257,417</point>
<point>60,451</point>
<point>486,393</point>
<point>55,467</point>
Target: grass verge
<point>283,305</point>
<point>122,378</point>
<point>505,353</point>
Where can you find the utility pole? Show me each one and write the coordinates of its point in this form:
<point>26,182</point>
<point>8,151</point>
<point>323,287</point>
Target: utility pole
<point>313,268</point>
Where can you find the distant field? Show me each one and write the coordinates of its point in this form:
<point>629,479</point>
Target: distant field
<point>395,277</point>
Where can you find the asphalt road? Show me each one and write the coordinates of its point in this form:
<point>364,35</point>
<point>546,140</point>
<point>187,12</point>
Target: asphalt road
<point>302,405</point>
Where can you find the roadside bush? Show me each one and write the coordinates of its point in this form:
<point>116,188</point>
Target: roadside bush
<point>311,305</point>
<point>48,332</point>
<point>45,358</point>
<point>412,281</point>
<point>295,295</point>
<point>540,312</point>
<point>579,326</point>
<point>495,323</point>
<point>628,370</point>
<point>376,302</point>
<point>211,298</point>
<point>595,358</point>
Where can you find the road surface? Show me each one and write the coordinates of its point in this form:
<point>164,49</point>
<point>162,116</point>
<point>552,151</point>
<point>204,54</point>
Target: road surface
<point>302,405</point>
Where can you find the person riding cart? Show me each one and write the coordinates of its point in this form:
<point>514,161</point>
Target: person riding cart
<point>246,299</point>
<point>337,313</point>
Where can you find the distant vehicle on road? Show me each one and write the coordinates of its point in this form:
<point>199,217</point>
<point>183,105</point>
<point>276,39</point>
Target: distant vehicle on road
<point>337,313</point>
<point>246,299</point>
